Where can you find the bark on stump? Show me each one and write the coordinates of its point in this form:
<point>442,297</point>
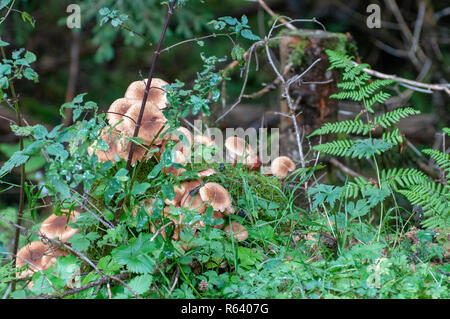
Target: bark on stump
<point>302,48</point>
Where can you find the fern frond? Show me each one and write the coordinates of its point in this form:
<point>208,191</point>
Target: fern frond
<point>392,137</point>
<point>357,188</point>
<point>337,148</point>
<point>403,177</point>
<point>442,159</point>
<point>393,117</point>
<point>434,199</point>
<point>348,127</point>
<point>368,148</point>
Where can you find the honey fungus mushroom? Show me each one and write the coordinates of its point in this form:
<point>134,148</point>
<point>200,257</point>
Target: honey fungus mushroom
<point>240,233</point>
<point>55,227</point>
<point>152,123</point>
<point>216,196</point>
<point>238,150</point>
<point>206,172</point>
<point>140,153</point>
<point>192,199</point>
<point>117,110</point>
<point>282,166</point>
<point>156,94</point>
<point>38,256</point>
<point>204,140</point>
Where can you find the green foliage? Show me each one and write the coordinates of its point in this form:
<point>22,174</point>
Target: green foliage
<point>411,183</point>
<point>290,251</point>
<point>356,84</point>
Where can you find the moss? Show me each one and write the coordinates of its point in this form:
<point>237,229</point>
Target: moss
<point>335,41</point>
<point>297,55</point>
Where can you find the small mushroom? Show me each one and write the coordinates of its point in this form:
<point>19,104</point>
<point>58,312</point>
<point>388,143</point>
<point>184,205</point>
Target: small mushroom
<point>206,172</point>
<point>204,140</point>
<point>192,198</point>
<point>193,202</point>
<point>240,233</point>
<point>216,196</point>
<point>282,166</point>
<point>238,150</point>
<point>156,94</point>
<point>38,256</point>
<point>55,227</point>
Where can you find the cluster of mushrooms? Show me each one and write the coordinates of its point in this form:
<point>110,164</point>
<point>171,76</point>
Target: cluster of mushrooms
<point>196,195</point>
<point>40,255</point>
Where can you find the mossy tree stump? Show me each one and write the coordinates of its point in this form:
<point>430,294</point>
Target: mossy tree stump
<point>301,48</point>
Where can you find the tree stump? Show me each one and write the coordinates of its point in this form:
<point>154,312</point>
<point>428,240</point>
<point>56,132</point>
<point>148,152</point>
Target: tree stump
<point>311,95</point>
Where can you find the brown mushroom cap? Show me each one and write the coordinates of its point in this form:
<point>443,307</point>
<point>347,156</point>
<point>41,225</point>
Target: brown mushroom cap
<point>216,196</point>
<point>204,140</point>
<point>117,110</point>
<point>38,256</point>
<point>157,95</point>
<point>151,125</point>
<point>240,151</point>
<point>206,172</point>
<point>192,198</point>
<point>240,233</point>
<point>282,166</point>
<point>123,147</point>
<point>238,147</point>
<point>55,227</point>
<point>194,202</point>
<point>229,211</point>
